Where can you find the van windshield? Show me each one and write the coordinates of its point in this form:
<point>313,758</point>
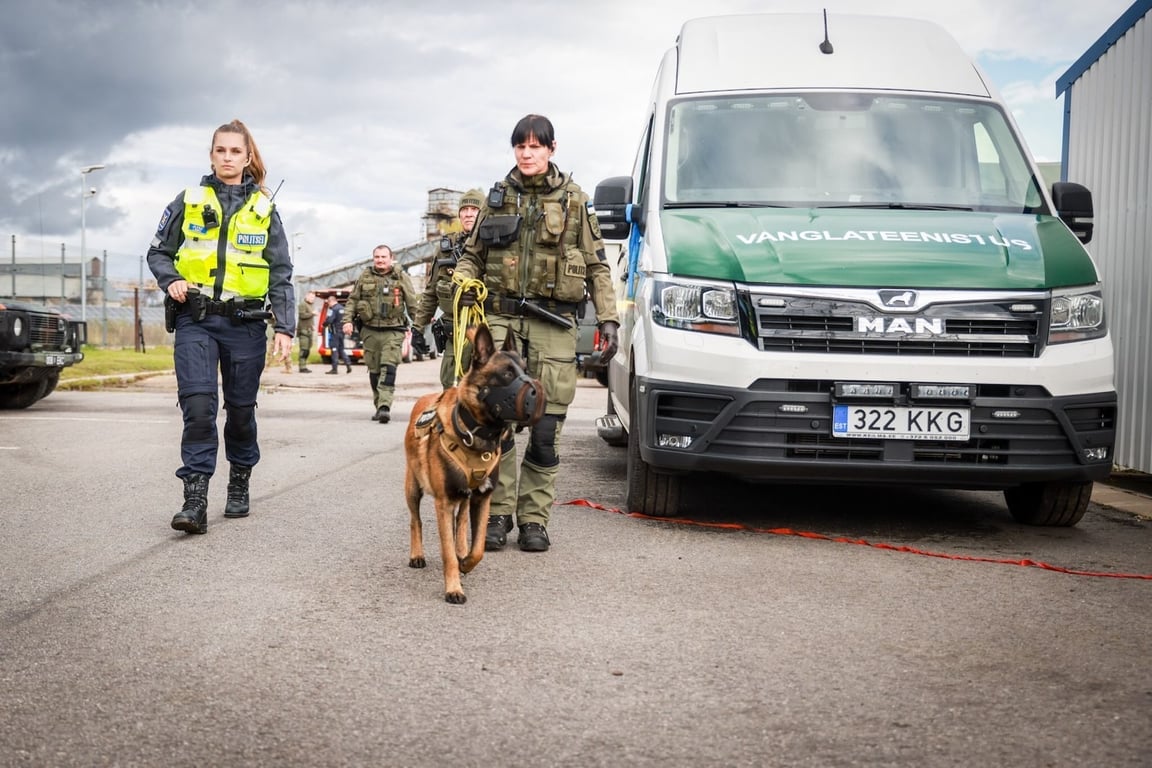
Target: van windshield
<point>846,149</point>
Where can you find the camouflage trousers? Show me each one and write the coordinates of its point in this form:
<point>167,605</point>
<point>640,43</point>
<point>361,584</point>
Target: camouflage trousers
<point>527,491</point>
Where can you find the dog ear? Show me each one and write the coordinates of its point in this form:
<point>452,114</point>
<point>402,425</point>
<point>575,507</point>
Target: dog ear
<point>509,343</point>
<point>482,345</point>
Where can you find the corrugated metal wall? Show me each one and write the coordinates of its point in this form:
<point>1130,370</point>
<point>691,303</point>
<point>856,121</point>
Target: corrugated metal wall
<point>1110,152</point>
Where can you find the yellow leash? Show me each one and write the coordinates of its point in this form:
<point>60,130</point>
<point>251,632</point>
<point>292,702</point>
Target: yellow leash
<point>465,317</point>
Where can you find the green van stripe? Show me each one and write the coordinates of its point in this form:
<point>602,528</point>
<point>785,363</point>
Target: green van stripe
<point>855,247</point>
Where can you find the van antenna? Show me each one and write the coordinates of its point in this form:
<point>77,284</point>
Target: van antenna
<point>825,47</point>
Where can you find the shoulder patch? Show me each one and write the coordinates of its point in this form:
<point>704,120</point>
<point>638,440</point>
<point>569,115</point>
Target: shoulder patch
<point>593,222</point>
<point>164,217</point>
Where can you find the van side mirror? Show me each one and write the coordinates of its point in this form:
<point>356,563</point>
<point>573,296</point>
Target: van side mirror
<point>612,201</point>
<point>1074,207</point>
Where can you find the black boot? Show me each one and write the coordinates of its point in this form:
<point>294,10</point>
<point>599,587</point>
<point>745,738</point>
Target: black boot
<point>193,517</point>
<point>237,505</point>
<point>373,381</point>
<point>497,534</point>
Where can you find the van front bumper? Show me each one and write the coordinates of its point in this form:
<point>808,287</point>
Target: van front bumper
<point>780,430</point>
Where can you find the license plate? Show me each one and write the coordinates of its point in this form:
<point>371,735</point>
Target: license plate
<point>900,422</point>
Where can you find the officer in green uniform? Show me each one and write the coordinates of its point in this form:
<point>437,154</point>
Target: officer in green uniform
<point>439,290</point>
<point>306,329</point>
<point>382,300</point>
<point>537,247</point>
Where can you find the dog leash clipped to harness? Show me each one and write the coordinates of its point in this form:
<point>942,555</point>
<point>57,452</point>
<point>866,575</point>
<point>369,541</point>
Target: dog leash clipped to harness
<point>464,317</point>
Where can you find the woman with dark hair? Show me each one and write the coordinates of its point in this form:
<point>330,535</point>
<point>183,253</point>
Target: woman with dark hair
<point>222,259</point>
<point>537,249</point>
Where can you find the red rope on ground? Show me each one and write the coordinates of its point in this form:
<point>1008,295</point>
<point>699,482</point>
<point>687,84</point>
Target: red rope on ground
<point>861,542</point>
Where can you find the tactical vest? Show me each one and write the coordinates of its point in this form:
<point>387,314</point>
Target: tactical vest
<point>442,271</point>
<point>245,269</point>
<point>378,300</point>
<point>542,258</point>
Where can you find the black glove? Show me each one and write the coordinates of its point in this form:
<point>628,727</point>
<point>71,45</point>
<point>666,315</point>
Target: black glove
<point>609,340</point>
<point>419,343</point>
<point>468,298</point>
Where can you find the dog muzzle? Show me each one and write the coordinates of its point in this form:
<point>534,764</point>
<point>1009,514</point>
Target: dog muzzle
<point>521,400</point>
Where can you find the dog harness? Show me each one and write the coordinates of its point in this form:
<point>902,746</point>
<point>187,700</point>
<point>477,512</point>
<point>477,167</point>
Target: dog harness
<point>475,464</point>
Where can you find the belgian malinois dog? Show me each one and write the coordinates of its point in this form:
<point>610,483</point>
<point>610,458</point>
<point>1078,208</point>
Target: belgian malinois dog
<point>452,447</point>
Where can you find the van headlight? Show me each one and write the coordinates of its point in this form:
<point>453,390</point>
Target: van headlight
<point>1077,315</point>
<point>696,305</point>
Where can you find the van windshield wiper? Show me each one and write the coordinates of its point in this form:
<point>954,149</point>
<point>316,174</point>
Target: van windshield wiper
<point>900,206</point>
<point>722,204</point>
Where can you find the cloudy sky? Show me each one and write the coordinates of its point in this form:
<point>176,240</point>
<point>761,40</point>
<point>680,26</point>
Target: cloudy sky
<point>361,107</point>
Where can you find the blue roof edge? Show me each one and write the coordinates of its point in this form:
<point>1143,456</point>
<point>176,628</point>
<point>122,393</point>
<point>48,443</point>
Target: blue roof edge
<point>1118,29</point>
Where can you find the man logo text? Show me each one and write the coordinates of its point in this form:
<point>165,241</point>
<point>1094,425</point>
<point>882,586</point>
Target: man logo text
<point>916,325</point>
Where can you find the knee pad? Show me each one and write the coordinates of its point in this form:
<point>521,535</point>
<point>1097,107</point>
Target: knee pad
<point>199,418</point>
<point>542,449</point>
<point>389,375</point>
<point>241,423</point>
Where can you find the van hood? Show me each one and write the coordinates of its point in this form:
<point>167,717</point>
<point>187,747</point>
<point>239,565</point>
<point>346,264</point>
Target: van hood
<point>870,247</point>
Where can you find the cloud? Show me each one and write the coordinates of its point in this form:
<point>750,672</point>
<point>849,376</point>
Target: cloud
<point>361,107</point>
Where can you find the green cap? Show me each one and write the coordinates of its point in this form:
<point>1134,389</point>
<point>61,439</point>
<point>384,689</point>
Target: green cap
<point>472,197</point>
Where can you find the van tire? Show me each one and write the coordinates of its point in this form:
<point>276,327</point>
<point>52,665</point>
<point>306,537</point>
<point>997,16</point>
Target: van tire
<point>1054,504</point>
<point>649,492</point>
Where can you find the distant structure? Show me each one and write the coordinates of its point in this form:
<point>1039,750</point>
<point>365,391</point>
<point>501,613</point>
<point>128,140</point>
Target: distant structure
<point>439,219</point>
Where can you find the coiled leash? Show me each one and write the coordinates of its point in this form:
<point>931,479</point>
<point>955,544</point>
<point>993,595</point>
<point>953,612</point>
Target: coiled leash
<point>465,317</point>
<point>861,542</point>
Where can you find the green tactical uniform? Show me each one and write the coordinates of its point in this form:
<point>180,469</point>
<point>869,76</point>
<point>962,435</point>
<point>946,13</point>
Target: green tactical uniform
<point>305,331</point>
<point>382,305</point>
<point>438,292</point>
<point>538,240</point>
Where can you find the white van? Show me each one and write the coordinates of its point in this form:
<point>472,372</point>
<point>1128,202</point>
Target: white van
<point>843,267</point>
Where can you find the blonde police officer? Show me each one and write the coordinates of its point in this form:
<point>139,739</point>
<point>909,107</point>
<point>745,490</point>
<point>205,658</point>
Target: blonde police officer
<point>537,248</point>
<point>221,257</point>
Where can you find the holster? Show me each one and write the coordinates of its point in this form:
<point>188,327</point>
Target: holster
<point>171,308</point>
<point>440,334</point>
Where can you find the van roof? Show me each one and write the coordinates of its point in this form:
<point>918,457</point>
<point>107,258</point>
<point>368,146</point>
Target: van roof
<point>782,51</point>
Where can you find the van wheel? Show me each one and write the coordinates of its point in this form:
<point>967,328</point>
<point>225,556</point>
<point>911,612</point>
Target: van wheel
<point>649,492</point>
<point>1056,504</point>
<point>602,378</point>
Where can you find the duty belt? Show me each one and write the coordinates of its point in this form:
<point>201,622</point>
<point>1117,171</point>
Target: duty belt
<point>237,310</point>
<point>515,305</point>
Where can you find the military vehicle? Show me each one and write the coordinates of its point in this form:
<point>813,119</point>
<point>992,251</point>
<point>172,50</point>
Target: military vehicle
<point>36,343</point>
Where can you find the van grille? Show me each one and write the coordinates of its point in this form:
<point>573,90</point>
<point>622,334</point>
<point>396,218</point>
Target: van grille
<point>956,328</point>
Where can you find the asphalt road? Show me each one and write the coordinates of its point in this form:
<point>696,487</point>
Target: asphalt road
<point>300,637</point>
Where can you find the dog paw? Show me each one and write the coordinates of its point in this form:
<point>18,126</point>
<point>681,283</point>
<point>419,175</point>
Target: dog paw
<point>456,598</point>
<point>417,562</point>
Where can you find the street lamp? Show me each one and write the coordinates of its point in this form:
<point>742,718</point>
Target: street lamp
<point>84,195</point>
